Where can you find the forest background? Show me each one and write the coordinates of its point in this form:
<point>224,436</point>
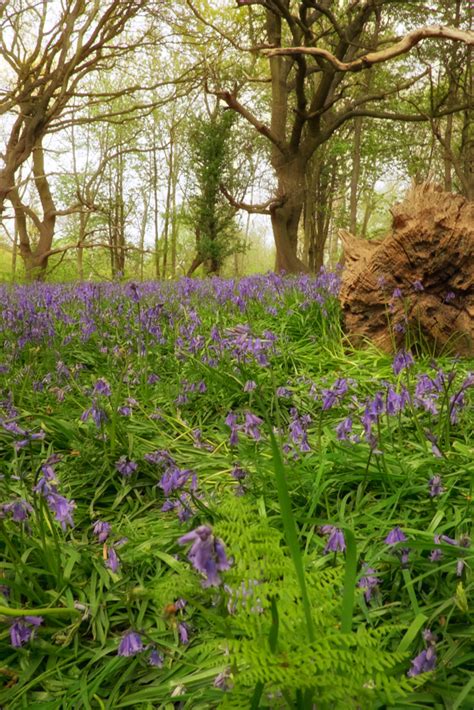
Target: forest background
<point>154,139</point>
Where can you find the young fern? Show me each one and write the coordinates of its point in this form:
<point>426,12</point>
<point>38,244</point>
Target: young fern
<point>264,640</point>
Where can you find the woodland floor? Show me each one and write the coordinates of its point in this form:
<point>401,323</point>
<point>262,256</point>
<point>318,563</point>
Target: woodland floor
<point>330,490</point>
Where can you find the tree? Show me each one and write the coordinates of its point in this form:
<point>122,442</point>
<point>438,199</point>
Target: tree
<point>49,49</point>
<point>316,52</point>
<point>212,217</point>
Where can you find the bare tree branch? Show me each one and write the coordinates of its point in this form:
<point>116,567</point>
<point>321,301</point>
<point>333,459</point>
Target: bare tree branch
<point>368,60</point>
<point>264,208</point>
<point>233,103</point>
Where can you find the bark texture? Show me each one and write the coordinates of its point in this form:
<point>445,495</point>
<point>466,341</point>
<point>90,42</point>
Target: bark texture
<point>429,256</point>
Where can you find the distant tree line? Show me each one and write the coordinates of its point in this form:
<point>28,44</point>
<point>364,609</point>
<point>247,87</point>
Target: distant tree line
<point>147,131</point>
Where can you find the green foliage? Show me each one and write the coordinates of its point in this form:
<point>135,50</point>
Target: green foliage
<point>267,640</point>
<point>213,218</point>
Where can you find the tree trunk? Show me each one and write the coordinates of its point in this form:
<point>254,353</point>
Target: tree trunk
<point>355,173</point>
<point>146,204</point>
<point>448,153</point>
<point>36,259</point>
<point>155,205</point>
<point>286,217</point>
<point>169,190</point>
<point>468,132</point>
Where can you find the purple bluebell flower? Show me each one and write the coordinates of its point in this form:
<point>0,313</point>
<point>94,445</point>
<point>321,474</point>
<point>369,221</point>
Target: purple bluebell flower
<point>251,426</point>
<point>250,386</point>
<point>334,395</point>
<point>125,466</point>
<point>96,413</point>
<point>445,538</point>
<point>183,632</point>
<point>397,293</point>
<point>404,556</point>
<point>113,560</point>
<point>423,663</point>
<point>130,644</point>
<point>368,583</point>
<point>418,286</point>
<point>395,403</point>
<point>283,392</point>
<point>102,530</point>
<point>156,659</point>
<point>436,486</point>
<point>181,505</point>
<point>336,541</point>
<point>343,429</point>
<point>62,509</point>
<point>449,297</point>
<point>394,536</point>
<point>401,361</point>
<point>159,457</point>
<point>18,509</point>
<point>238,473</point>
<point>297,430</point>
<point>223,681</point>
<point>436,555</point>
<point>175,478</point>
<point>22,629</point>
<point>102,387</point>
<point>207,554</point>
<point>377,405</point>
<point>460,564</point>
<point>231,421</point>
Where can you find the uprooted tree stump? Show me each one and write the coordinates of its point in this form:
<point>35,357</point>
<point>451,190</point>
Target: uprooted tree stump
<point>420,277</point>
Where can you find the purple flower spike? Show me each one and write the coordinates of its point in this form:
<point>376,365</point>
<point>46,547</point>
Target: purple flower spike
<point>125,467</point>
<point>343,429</point>
<point>401,361</point>
<point>368,583</point>
<point>222,681</point>
<point>112,561</point>
<point>102,530</point>
<point>436,487</point>
<point>130,644</point>
<point>231,421</point>
<point>18,509</point>
<point>207,554</point>
<point>102,387</point>
<point>22,630</point>
<point>183,632</point>
<point>251,426</point>
<point>62,508</point>
<point>336,542</point>
<point>394,536</point>
<point>460,564</point>
<point>156,659</point>
<point>423,663</point>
